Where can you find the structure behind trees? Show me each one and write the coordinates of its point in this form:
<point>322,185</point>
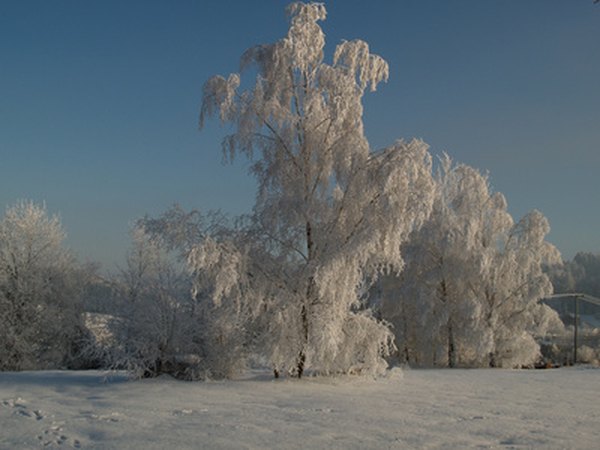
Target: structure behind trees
<point>580,341</point>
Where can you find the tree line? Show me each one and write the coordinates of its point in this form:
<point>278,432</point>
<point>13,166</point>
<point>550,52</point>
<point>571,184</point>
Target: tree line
<point>351,258</point>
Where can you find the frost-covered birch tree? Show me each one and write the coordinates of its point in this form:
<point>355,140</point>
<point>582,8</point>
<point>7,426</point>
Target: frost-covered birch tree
<point>515,284</point>
<point>469,293</point>
<point>40,295</point>
<point>330,214</point>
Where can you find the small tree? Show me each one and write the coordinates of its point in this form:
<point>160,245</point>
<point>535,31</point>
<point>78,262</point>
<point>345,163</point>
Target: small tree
<point>330,215</point>
<point>153,328</point>
<point>40,307</point>
<point>159,324</point>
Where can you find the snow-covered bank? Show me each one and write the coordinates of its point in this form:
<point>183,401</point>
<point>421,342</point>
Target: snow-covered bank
<point>411,409</point>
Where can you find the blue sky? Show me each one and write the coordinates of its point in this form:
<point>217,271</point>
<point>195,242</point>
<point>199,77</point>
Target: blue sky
<point>99,103</point>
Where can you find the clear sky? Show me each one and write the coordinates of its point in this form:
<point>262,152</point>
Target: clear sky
<point>99,103</point>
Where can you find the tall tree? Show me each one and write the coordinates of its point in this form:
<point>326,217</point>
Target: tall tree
<point>330,214</point>
<point>469,293</point>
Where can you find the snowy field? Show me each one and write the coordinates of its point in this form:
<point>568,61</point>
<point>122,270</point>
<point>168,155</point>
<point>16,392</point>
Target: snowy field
<point>557,408</point>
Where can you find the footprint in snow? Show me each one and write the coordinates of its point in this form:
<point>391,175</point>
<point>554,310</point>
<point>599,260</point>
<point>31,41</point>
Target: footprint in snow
<point>21,409</point>
<point>14,403</point>
<point>35,414</point>
<point>54,437</point>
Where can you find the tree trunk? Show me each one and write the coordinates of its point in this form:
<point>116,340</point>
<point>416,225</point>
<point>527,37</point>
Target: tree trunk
<point>451,346</point>
<point>406,343</point>
<point>302,354</point>
<point>307,300</point>
<point>450,331</point>
<point>492,362</point>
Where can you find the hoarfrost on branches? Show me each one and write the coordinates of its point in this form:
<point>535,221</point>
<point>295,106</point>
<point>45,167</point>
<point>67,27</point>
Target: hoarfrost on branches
<point>168,323</point>
<point>469,294</point>
<point>40,302</point>
<point>330,214</point>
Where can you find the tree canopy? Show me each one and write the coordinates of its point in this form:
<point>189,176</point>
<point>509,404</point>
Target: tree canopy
<point>330,213</point>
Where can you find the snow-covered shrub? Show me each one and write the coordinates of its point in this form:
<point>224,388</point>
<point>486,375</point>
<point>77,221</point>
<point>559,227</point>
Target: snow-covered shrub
<point>96,347</point>
<point>587,355</point>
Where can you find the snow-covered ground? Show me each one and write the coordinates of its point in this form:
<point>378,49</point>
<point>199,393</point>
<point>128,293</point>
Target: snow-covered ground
<point>557,408</point>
